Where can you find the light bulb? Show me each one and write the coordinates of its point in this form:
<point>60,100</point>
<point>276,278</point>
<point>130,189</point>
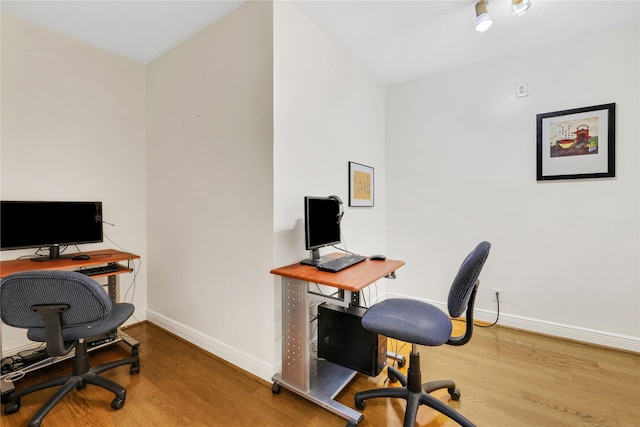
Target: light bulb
<point>519,7</point>
<point>483,20</point>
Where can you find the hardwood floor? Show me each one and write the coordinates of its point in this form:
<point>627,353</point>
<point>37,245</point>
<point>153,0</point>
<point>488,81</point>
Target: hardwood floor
<point>507,378</point>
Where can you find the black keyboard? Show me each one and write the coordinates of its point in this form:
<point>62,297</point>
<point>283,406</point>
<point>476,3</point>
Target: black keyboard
<point>338,264</point>
<point>103,269</point>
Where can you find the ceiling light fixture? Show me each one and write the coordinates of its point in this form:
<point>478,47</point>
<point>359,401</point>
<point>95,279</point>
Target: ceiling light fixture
<point>483,20</point>
<point>519,7</point>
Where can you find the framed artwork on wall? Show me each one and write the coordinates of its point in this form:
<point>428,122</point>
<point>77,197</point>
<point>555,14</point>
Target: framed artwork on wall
<point>361,185</point>
<point>577,143</point>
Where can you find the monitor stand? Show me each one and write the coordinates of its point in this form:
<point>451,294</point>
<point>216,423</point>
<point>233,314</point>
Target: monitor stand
<point>54,255</point>
<point>314,258</point>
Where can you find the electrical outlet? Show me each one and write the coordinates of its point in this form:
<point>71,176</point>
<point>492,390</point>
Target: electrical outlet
<point>497,294</point>
<point>521,90</point>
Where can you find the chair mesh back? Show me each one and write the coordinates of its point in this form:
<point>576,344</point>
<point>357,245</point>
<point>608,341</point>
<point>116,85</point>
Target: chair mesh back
<point>87,301</point>
<point>466,278</point>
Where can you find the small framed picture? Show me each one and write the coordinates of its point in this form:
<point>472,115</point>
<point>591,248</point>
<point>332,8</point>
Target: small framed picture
<point>578,143</point>
<point>361,185</point>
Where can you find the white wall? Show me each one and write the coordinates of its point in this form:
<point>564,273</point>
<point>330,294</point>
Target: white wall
<point>328,112</point>
<point>209,168</point>
<point>73,129</point>
<point>461,168</point>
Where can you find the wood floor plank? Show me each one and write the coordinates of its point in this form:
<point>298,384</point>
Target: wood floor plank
<point>507,378</point>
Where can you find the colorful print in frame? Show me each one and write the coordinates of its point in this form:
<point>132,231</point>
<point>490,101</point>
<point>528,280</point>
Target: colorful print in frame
<point>577,143</point>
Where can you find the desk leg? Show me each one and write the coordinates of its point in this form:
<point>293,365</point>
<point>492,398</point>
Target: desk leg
<point>132,343</point>
<point>112,289</point>
<point>295,334</point>
<point>316,380</point>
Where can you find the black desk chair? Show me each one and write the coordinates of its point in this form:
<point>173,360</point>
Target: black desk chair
<point>63,309</point>
<point>420,323</point>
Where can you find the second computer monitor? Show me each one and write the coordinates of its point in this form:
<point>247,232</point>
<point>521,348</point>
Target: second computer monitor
<point>322,217</point>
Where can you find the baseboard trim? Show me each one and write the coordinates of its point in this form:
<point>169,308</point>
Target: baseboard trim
<point>558,330</point>
<point>232,355</point>
<point>590,336</point>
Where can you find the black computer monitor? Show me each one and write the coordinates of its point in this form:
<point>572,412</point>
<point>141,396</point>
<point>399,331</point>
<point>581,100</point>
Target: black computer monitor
<point>322,217</point>
<point>40,224</point>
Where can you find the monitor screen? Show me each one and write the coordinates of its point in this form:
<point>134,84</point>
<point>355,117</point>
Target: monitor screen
<point>321,225</point>
<point>39,224</point>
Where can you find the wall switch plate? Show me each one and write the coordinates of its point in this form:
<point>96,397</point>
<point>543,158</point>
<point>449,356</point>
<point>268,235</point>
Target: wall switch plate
<point>521,90</point>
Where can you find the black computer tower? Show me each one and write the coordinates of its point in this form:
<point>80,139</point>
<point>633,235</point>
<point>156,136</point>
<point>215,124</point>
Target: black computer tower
<point>343,340</point>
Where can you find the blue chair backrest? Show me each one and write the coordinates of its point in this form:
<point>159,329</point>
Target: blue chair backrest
<point>87,301</point>
<point>465,281</point>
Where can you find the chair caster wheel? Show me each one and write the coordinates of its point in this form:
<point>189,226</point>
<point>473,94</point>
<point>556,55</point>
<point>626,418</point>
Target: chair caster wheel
<point>134,369</point>
<point>455,393</point>
<point>350,424</point>
<point>6,397</point>
<point>117,403</point>
<point>361,404</point>
<point>275,388</point>
<point>12,407</point>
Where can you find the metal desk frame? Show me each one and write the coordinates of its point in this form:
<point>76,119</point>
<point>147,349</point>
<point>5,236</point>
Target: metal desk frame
<point>319,380</point>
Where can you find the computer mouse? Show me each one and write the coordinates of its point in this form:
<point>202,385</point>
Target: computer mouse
<point>377,257</point>
<point>80,257</point>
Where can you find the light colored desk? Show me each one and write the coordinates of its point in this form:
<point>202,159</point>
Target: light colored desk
<point>319,380</point>
<point>97,258</point>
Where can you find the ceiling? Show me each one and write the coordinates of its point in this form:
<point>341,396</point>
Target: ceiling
<point>393,40</point>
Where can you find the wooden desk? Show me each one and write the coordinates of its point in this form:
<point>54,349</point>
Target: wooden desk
<point>319,380</point>
<point>99,257</point>
<point>103,256</point>
<point>352,279</point>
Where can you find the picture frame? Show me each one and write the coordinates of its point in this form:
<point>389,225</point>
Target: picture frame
<point>577,143</point>
<point>361,185</point>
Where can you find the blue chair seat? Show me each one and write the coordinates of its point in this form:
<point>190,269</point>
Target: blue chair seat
<point>410,321</point>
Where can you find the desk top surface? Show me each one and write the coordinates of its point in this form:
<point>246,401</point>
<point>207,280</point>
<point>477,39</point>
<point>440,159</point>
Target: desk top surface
<point>354,278</point>
<point>102,256</point>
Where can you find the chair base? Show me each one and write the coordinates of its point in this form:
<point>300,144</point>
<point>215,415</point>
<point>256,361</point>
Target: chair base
<point>82,375</point>
<point>415,394</point>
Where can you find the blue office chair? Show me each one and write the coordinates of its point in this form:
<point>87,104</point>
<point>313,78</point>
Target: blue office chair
<point>420,323</point>
<point>63,309</point>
